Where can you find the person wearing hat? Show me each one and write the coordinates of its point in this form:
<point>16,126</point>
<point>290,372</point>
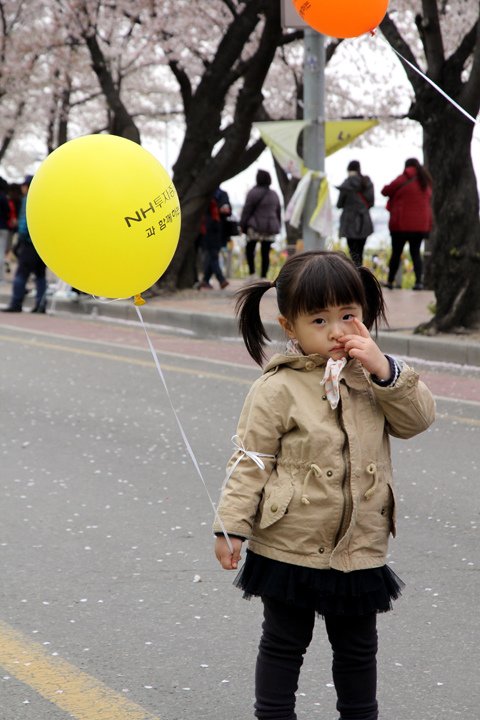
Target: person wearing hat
<point>29,262</point>
<point>355,199</point>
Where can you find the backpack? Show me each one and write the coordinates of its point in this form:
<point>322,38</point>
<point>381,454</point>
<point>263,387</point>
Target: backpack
<point>12,218</point>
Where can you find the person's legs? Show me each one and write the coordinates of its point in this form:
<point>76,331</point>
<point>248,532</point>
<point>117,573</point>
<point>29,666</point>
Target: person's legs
<point>398,243</point>
<point>217,270</point>
<point>415,242</point>
<point>207,265</point>
<point>354,643</point>
<point>356,246</point>
<point>250,255</point>
<point>3,249</point>
<point>265,246</point>
<point>22,274</point>
<point>39,269</point>
<point>41,285</point>
<point>287,632</point>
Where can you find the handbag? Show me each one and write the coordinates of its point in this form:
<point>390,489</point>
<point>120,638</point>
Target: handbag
<point>232,227</point>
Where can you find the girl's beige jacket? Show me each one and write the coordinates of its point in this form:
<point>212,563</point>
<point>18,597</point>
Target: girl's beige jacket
<point>325,498</point>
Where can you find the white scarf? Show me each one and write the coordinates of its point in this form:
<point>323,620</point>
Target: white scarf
<point>331,380</point>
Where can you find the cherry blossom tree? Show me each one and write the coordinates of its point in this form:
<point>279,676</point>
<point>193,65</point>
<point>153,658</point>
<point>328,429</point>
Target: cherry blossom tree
<point>69,67</point>
<point>17,60</point>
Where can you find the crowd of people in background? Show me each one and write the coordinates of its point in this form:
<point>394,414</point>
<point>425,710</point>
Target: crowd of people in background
<point>409,206</point>
<point>410,221</point>
<point>260,222</point>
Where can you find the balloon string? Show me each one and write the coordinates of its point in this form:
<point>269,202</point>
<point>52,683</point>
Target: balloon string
<point>182,431</point>
<point>433,84</point>
<point>107,301</point>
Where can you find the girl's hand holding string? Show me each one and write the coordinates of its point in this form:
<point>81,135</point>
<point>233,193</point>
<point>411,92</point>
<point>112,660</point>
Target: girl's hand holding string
<point>228,560</point>
<point>361,346</point>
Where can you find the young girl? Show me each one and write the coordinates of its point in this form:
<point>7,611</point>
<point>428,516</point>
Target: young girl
<point>310,484</point>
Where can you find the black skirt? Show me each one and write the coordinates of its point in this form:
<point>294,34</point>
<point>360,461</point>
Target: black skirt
<point>359,592</point>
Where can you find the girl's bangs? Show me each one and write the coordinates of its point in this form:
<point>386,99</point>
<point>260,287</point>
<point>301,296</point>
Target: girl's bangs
<point>319,287</point>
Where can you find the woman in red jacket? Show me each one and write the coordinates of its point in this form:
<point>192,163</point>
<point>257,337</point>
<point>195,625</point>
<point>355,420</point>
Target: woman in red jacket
<point>409,204</point>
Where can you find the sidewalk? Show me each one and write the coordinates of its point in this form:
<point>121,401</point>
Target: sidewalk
<point>210,313</point>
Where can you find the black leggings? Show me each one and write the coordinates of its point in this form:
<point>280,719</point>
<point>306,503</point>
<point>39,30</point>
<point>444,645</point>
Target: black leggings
<point>399,239</point>
<point>356,247</point>
<point>287,632</point>
<point>265,246</point>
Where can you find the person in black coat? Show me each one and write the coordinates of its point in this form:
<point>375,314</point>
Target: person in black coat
<point>261,220</point>
<point>356,198</point>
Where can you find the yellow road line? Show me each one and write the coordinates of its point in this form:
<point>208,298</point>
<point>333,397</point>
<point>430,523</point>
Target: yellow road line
<point>124,359</point>
<point>62,684</point>
<point>459,419</point>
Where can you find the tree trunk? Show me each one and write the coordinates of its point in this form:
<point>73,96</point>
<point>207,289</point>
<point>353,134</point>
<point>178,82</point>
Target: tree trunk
<point>198,170</point>
<point>455,243</point>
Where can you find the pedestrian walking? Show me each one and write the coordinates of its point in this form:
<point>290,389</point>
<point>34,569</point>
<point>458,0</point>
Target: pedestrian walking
<point>211,242</point>
<point>356,197</point>
<point>261,220</point>
<point>409,204</point>
<point>29,262</point>
<point>310,482</point>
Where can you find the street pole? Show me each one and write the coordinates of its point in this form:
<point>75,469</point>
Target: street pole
<point>314,132</point>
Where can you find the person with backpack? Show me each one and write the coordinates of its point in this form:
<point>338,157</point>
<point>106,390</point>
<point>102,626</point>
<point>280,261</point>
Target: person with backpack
<point>409,203</point>
<point>211,241</point>
<point>355,199</point>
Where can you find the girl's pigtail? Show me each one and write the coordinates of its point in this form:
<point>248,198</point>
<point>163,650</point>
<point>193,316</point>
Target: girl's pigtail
<point>247,310</point>
<point>375,309</point>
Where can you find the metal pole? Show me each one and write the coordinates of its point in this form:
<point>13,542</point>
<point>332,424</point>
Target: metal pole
<point>314,133</point>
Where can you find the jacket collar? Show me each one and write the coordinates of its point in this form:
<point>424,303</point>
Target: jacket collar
<point>353,373</point>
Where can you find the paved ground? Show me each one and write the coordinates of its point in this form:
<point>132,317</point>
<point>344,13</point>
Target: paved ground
<point>113,606</point>
<point>210,313</point>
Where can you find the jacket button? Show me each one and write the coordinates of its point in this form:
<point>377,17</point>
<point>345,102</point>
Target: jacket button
<point>309,365</point>
<point>324,397</point>
<point>274,508</point>
<point>321,550</point>
<point>329,473</point>
<point>383,511</point>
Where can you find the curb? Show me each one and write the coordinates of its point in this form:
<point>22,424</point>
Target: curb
<point>208,325</point>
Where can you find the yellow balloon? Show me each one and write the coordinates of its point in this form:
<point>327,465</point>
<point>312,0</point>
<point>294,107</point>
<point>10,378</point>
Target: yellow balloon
<point>104,215</point>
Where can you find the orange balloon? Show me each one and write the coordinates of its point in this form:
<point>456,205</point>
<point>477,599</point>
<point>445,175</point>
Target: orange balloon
<point>342,18</point>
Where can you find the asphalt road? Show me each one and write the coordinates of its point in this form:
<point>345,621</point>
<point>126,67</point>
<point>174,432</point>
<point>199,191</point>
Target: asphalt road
<point>112,604</point>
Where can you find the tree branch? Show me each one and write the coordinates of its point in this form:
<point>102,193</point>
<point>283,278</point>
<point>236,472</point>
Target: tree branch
<point>464,50</point>
<point>183,82</point>
<point>470,95</point>
<point>393,36</point>
<point>430,32</point>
